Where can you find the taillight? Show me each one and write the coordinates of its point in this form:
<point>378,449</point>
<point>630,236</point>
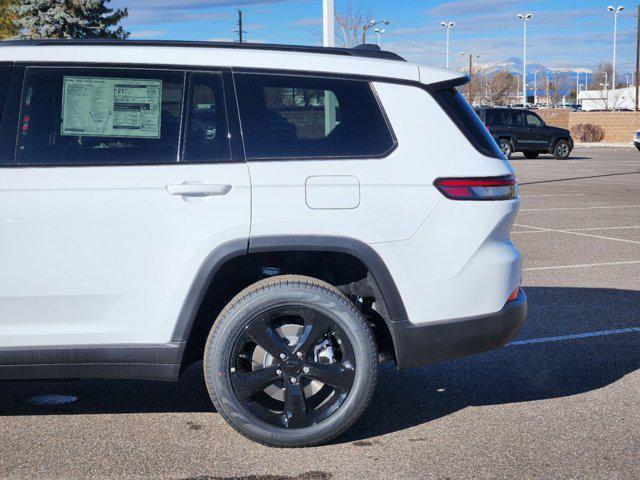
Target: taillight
<point>514,295</point>
<point>481,188</point>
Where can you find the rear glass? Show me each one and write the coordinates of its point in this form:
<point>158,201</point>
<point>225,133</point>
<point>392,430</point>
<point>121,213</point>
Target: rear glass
<point>467,120</point>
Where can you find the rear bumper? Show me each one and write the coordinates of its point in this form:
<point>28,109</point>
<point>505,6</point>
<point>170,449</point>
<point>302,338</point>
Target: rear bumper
<point>433,342</point>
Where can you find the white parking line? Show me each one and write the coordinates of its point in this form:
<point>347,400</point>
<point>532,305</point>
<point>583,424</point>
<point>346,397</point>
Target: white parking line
<point>581,229</point>
<point>583,265</point>
<point>556,195</point>
<point>561,338</point>
<point>577,208</point>
<point>624,240</point>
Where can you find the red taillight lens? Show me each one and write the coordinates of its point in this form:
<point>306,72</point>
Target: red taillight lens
<point>514,295</point>
<point>482,188</point>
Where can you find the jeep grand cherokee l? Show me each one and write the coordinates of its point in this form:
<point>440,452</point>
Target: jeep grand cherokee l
<point>290,216</point>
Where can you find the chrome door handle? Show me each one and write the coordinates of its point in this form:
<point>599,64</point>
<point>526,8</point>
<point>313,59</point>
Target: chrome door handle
<point>198,189</point>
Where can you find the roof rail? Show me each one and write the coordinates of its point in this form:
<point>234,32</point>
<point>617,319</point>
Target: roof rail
<point>359,51</point>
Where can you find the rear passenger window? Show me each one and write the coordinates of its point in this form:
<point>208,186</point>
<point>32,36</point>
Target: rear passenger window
<point>300,117</point>
<point>517,119</point>
<point>98,116</point>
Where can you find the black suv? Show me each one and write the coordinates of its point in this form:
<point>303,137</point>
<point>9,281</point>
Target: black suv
<point>519,130</point>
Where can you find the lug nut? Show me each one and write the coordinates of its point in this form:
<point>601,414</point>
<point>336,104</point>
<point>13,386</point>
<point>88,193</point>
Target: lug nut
<point>278,372</point>
<point>294,380</point>
<point>305,369</point>
<point>283,356</point>
<point>299,354</point>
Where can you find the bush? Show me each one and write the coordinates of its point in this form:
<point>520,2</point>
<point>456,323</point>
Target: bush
<point>587,132</point>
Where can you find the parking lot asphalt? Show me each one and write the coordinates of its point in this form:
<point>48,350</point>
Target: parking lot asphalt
<point>562,401</point>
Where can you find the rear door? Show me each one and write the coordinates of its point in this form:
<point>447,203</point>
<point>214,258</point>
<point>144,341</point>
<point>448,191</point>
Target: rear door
<point>519,130</point>
<point>122,181</point>
<point>539,135</point>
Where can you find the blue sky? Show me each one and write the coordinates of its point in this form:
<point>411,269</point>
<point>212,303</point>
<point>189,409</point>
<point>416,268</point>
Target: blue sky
<point>562,34</point>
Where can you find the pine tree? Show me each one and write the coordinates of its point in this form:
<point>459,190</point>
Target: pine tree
<point>38,19</point>
<point>8,28</point>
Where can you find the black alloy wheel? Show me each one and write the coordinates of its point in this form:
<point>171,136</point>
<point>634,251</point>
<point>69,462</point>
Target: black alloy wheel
<point>291,362</point>
<point>292,366</point>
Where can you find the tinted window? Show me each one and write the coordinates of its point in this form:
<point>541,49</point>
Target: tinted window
<point>467,121</point>
<point>300,117</point>
<point>207,134</point>
<point>81,116</point>
<point>517,119</point>
<point>5,72</point>
<point>533,120</point>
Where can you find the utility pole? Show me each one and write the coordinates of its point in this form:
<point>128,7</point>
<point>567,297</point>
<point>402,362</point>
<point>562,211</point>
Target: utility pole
<point>328,23</point>
<point>637,56</point>
<point>470,84</point>
<point>240,32</point>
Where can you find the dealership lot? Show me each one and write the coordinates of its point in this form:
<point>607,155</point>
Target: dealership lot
<point>562,400</point>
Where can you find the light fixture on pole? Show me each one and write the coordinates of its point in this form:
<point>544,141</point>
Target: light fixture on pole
<point>447,26</point>
<point>525,18</point>
<point>371,24</point>
<point>616,12</point>
<point>379,33</point>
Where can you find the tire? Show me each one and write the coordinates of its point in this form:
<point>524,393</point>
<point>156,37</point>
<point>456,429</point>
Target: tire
<point>531,155</point>
<point>637,145</point>
<point>506,147</point>
<point>252,405</point>
<point>561,150</point>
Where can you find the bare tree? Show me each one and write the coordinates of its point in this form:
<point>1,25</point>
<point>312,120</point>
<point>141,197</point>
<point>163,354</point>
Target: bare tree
<point>350,22</point>
<point>493,88</point>
<point>602,75</point>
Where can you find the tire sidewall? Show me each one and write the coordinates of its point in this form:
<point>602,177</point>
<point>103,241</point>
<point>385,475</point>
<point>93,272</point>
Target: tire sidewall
<point>231,324</point>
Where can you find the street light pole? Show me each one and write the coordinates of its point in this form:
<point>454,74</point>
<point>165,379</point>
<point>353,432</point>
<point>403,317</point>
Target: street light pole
<point>379,33</point>
<point>616,12</point>
<point>371,24</point>
<point>447,26</point>
<point>535,87</point>
<point>328,23</point>
<point>525,18</point>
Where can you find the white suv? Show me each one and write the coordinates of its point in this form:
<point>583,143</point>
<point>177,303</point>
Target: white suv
<point>291,215</point>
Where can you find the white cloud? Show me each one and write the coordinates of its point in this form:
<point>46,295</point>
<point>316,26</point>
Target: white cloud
<point>147,34</point>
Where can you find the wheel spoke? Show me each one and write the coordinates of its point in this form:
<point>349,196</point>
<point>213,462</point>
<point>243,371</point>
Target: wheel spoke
<point>315,326</point>
<point>264,335</point>
<point>250,383</point>
<point>334,374</point>
<point>295,406</point>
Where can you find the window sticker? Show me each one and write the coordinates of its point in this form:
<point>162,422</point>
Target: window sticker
<point>111,107</point>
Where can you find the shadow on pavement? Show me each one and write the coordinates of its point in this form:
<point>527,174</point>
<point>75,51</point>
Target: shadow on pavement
<point>413,397</point>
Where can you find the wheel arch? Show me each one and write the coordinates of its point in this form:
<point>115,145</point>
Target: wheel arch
<point>381,279</point>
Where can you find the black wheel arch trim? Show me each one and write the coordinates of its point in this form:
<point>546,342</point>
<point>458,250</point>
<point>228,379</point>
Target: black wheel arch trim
<point>282,243</point>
